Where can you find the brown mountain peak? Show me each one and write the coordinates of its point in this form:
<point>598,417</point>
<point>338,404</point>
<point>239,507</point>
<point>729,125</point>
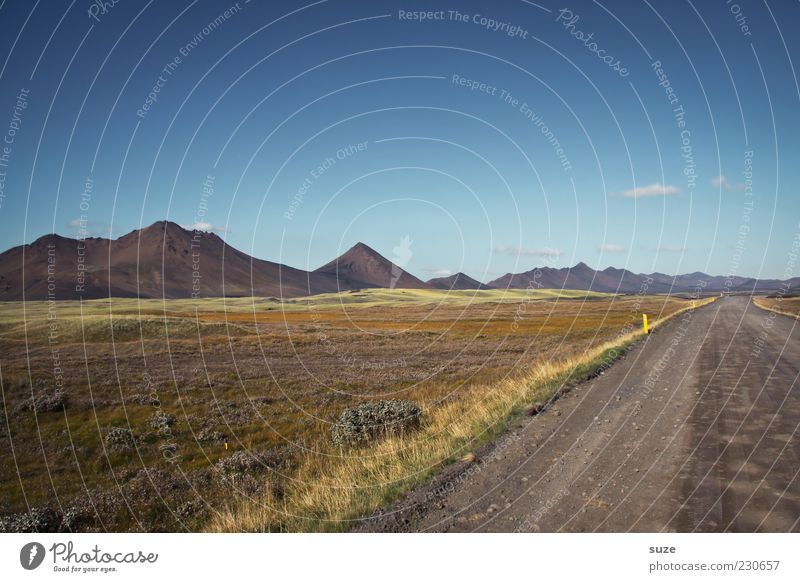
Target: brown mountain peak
<point>459,281</point>
<point>362,266</point>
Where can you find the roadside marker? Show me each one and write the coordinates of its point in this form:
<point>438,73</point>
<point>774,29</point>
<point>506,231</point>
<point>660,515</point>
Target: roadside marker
<point>644,322</point>
<point>226,445</point>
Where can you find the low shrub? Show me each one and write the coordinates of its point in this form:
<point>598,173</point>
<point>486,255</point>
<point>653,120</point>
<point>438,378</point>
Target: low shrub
<point>38,519</point>
<point>210,434</point>
<point>162,421</point>
<point>120,439</point>
<point>252,463</point>
<point>372,420</point>
<point>52,402</point>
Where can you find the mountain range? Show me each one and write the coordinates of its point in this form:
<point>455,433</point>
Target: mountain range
<point>165,260</point>
<point>613,280</point>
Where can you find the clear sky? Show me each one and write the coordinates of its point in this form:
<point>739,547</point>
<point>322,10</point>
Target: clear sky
<point>495,136</point>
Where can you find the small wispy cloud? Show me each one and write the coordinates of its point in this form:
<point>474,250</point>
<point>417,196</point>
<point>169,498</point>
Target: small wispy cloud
<point>87,228</point>
<point>655,189</point>
<point>438,272</point>
<point>611,248</point>
<point>205,227</point>
<point>671,249</point>
<point>528,251</point>
<point>722,182</point>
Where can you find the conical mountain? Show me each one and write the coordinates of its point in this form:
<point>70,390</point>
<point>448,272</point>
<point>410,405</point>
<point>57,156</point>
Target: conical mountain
<point>362,267</point>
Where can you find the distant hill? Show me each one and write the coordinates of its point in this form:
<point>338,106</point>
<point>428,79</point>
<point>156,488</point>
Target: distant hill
<point>169,261</point>
<point>459,281</point>
<point>613,280</point>
<point>580,277</point>
<point>363,268</point>
<point>161,260</point>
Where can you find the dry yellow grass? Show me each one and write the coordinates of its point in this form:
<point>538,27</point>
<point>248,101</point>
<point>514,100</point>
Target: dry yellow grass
<point>784,305</point>
<point>329,492</point>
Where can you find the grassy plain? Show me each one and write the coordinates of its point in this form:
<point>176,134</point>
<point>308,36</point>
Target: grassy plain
<point>253,384</point>
<point>786,305</point>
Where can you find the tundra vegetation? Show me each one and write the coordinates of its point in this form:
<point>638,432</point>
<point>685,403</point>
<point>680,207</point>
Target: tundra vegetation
<point>228,414</point>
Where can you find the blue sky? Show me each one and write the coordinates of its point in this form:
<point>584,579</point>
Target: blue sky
<point>496,140</point>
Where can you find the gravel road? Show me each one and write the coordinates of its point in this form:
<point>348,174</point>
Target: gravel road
<point>695,429</point>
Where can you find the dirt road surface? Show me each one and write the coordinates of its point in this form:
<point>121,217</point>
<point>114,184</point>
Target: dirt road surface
<point>695,429</point>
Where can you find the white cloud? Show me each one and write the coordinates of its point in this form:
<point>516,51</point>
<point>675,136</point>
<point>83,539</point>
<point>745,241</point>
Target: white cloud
<point>611,248</point>
<point>205,227</point>
<point>528,252</point>
<point>656,189</point>
<point>438,272</point>
<point>719,181</point>
<point>671,249</point>
<point>87,228</point>
<point>722,182</point>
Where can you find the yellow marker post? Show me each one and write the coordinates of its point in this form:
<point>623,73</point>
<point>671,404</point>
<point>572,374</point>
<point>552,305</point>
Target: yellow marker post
<point>226,445</point>
<point>644,322</point>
